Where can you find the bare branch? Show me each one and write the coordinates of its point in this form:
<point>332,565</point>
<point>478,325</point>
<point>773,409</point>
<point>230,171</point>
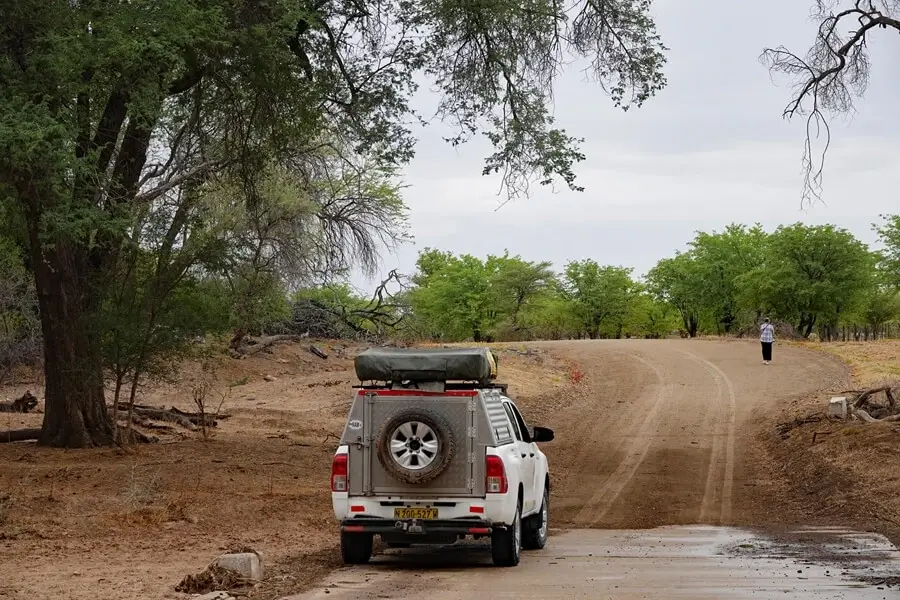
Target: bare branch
<point>834,71</point>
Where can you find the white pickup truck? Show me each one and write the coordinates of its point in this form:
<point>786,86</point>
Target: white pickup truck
<point>435,451</point>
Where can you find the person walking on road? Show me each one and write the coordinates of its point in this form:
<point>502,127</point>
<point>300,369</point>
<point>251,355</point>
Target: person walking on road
<point>767,338</point>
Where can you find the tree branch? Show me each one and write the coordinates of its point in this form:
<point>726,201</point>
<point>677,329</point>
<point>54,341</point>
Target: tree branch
<point>178,180</point>
<point>834,70</point>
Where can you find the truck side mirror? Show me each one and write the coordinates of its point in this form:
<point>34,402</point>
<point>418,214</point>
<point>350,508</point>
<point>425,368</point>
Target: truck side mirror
<point>542,434</point>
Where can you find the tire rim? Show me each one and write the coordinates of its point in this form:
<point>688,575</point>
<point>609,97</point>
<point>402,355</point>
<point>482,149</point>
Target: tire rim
<point>414,446</point>
<point>545,515</point>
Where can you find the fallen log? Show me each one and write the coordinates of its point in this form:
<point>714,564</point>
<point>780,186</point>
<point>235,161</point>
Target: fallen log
<point>865,416</point>
<point>160,414</point>
<point>867,409</point>
<point>318,352</point>
<point>135,436</point>
<point>189,420</point>
<point>198,416</point>
<point>19,435</point>
<point>165,415</point>
<point>145,422</point>
<point>263,343</point>
<point>864,397</point>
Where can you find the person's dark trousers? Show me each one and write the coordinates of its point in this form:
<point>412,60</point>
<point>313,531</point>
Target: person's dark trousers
<point>767,350</point>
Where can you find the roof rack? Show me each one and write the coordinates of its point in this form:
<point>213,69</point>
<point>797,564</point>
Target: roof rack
<point>449,385</point>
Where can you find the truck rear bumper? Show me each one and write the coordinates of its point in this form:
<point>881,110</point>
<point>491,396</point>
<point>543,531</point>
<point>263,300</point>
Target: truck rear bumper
<point>415,527</point>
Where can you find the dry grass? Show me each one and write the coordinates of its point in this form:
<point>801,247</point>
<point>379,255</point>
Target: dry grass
<point>871,363</point>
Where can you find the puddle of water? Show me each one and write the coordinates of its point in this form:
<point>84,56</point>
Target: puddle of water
<point>866,557</point>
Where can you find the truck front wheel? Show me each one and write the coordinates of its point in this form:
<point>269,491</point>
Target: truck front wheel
<point>356,548</point>
<point>537,526</point>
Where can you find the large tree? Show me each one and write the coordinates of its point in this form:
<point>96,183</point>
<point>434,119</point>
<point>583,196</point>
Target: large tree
<point>812,275</point>
<point>105,108</point>
<point>516,282</point>
<point>601,296</point>
<point>720,259</point>
<point>454,295</point>
<point>833,71</point>
<point>679,282</point>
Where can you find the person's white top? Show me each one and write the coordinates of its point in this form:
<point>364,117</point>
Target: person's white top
<point>767,332</point>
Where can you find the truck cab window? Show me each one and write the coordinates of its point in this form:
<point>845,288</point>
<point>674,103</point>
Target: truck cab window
<point>515,424</point>
<point>520,423</point>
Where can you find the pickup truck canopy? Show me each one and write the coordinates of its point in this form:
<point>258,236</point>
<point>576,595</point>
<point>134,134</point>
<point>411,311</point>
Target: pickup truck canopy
<point>426,364</point>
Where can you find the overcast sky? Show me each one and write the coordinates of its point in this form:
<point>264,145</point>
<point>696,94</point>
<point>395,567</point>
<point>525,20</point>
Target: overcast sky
<point>709,150</point>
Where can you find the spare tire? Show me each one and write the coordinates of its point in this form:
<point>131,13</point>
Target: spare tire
<point>415,446</point>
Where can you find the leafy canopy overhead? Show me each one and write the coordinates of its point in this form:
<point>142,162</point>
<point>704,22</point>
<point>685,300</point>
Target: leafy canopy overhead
<point>262,77</point>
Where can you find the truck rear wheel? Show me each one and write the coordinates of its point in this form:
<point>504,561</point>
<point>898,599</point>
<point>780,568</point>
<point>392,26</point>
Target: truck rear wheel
<point>415,446</point>
<point>356,548</point>
<point>536,528</point>
<point>506,544</point>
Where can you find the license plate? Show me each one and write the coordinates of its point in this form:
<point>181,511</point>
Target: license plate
<point>416,513</point>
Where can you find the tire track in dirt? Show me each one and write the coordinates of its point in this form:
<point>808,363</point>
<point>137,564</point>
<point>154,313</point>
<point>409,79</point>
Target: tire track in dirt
<point>719,487</point>
<point>588,429</point>
<point>599,504</point>
<point>651,439</point>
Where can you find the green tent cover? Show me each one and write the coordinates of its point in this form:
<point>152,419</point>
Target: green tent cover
<point>426,364</point>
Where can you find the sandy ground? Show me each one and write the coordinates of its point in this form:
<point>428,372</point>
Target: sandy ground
<point>669,432</point>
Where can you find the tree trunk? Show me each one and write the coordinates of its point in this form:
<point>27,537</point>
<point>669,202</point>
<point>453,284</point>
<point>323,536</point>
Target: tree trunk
<point>75,409</point>
<point>807,322</point>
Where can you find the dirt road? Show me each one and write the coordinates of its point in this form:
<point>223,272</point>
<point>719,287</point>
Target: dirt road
<point>659,433</point>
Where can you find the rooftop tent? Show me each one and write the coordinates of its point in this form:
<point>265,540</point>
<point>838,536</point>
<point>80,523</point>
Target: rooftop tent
<point>426,364</point>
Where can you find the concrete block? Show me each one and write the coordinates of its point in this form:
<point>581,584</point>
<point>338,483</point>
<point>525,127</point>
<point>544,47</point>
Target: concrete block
<point>837,407</point>
<point>247,564</point>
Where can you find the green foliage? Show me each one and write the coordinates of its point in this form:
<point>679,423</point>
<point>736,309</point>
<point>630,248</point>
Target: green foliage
<point>677,282</point>
<point>554,317</point>
<point>721,260</point>
<point>153,318</point>
<point>508,298</point>
<point>810,275</point>
<point>517,284</point>
<point>889,234</point>
<point>20,330</point>
<point>601,296</point>
<point>454,295</point>
<point>648,317</point>
<point>881,305</point>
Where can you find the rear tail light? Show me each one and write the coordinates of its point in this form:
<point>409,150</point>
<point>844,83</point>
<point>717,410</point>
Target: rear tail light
<point>495,481</point>
<point>339,473</point>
